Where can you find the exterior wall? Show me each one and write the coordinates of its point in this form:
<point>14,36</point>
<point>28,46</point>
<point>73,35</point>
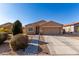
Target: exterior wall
<point>30,32</point>
<point>69,28</point>
<point>76,28</point>
<point>72,28</point>
<point>44,30</point>
<point>66,28</point>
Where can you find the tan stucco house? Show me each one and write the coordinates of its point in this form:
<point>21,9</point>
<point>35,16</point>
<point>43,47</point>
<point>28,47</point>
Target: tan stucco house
<point>73,27</point>
<point>44,27</point>
<point>7,26</point>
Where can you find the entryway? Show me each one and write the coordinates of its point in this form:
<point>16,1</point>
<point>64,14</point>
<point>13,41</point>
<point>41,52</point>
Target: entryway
<point>37,30</point>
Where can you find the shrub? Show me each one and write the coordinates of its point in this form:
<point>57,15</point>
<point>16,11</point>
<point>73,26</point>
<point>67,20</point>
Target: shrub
<point>1,29</point>
<point>4,30</point>
<point>17,27</point>
<point>19,41</point>
<point>3,37</point>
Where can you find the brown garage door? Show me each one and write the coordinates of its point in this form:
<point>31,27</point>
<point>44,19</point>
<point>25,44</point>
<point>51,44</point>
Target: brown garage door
<point>51,30</point>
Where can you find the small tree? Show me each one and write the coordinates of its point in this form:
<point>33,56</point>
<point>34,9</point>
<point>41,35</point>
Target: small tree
<point>17,27</point>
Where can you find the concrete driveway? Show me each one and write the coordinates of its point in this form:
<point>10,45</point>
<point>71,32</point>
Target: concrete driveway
<point>61,45</point>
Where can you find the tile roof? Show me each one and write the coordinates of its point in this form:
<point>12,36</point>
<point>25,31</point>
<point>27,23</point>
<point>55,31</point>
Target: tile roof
<point>42,22</point>
<point>6,24</point>
<point>71,24</point>
<point>37,23</point>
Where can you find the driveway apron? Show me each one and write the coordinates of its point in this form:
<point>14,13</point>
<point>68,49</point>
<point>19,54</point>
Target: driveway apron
<point>60,45</point>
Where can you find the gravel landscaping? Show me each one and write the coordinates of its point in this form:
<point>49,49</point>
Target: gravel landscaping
<point>45,45</point>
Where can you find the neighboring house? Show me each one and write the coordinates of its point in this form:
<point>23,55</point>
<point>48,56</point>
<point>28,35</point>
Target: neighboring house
<point>7,26</point>
<point>68,28</point>
<point>74,27</point>
<point>44,27</point>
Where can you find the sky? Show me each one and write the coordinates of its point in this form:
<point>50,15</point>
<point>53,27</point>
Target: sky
<point>63,13</point>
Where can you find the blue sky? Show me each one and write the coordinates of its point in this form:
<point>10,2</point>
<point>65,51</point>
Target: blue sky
<point>30,12</point>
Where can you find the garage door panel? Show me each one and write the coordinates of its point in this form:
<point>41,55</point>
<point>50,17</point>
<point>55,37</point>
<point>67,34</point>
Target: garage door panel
<point>51,31</point>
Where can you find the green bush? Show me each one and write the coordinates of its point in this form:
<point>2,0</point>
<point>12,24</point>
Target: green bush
<point>17,27</point>
<point>4,30</point>
<point>3,37</point>
<point>19,41</point>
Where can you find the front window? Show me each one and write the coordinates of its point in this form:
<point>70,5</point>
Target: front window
<point>30,29</point>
